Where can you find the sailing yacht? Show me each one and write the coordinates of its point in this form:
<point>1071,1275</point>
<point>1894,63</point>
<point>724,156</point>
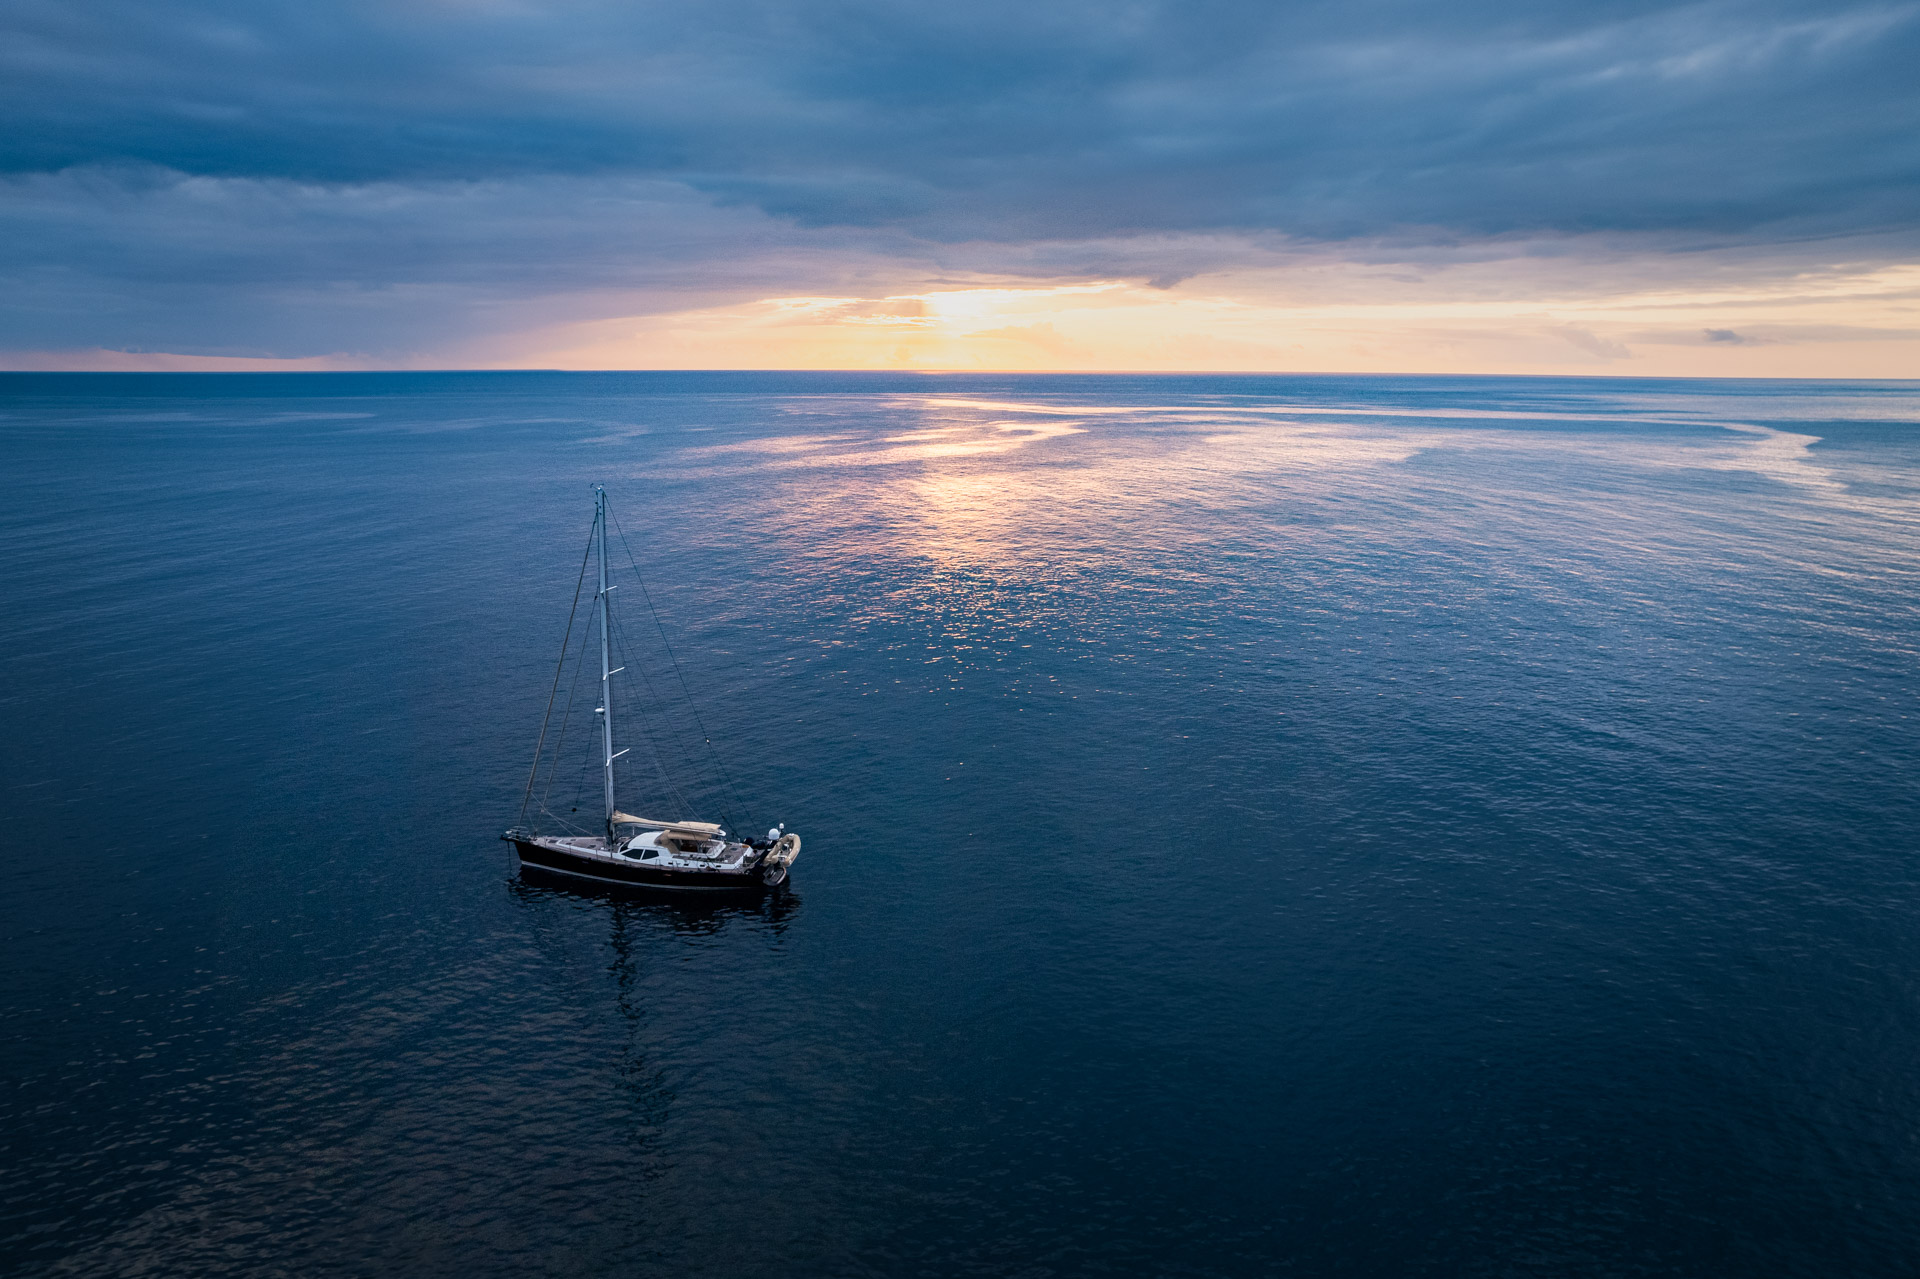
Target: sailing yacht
<point>642,852</point>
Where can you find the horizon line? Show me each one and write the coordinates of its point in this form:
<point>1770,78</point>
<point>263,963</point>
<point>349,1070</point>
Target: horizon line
<point>951,372</point>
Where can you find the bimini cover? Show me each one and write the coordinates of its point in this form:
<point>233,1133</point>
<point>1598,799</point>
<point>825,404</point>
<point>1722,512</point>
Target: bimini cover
<point>707,829</point>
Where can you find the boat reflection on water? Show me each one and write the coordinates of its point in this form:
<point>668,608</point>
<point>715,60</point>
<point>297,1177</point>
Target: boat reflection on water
<point>605,986</point>
<point>683,913</point>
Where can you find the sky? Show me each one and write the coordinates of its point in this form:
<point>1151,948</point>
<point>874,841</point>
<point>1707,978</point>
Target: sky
<point>1482,186</point>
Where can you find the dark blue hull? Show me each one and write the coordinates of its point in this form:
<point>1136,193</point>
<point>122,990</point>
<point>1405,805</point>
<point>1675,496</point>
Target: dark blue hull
<point>554,861</point>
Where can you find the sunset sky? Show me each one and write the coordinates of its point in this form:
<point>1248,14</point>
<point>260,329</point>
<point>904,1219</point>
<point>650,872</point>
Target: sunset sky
<point>1500,186</point>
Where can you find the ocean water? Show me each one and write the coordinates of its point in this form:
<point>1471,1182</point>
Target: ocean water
<point>1254,825</point>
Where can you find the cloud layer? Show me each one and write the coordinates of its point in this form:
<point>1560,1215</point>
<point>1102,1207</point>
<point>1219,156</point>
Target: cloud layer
<point>295,179</point>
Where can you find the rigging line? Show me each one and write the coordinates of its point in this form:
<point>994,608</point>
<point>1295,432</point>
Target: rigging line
<point>566,641</point>
<point>563,822</point>
<point>639,721</point>
<point>580,783</point>
<point>573,690</point>
<point>587,763</point>
<point>728,809</point>
<point>566,717</point>
<point>679,796</point>
<point>646,595</point>
<point>559,749</point>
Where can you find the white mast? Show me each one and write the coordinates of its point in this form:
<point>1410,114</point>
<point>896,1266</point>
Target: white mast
<point>606,675</point>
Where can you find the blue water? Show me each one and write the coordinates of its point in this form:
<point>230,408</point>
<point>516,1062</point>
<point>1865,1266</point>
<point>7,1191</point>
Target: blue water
<point>1362,826</point>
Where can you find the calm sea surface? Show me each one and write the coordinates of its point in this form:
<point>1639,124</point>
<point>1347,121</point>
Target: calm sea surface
<point>1363,826</point>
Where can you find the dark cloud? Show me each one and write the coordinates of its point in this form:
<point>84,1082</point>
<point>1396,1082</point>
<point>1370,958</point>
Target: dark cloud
<point>1020,120</point>
<point>377,158</point>
<point>162,260</point>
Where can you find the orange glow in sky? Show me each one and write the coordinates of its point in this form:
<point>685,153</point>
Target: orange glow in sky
<point>1335,317</point>
<point>1833,324</point>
